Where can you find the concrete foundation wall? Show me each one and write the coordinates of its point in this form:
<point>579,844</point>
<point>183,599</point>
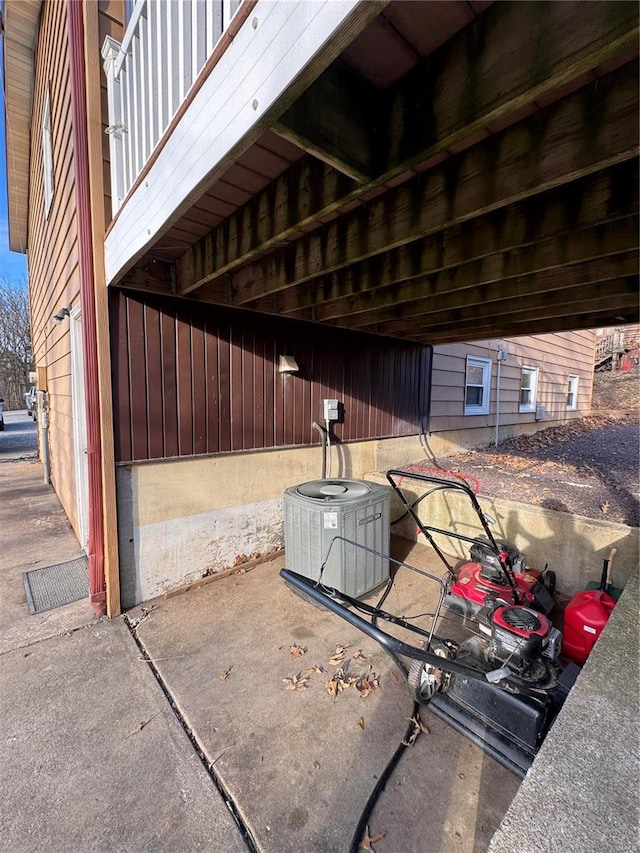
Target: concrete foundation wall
<point>573,546</point>
<point>181,519</point>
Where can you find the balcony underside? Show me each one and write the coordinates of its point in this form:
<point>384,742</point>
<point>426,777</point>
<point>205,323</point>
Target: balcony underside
<point>460,171</point>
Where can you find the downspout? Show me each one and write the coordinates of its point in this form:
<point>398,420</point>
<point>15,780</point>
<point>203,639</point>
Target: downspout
<point>75,25</point>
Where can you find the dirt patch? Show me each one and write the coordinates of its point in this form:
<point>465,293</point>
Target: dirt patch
<point>588,467</point>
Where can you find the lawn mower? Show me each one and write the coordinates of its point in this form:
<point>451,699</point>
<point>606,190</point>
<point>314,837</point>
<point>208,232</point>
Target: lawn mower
<point>499,682</point>
<point>495,568</point>
<point>487,663</point>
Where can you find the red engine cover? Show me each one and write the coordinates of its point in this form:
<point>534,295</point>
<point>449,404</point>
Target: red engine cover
<point>468,584</point>
<point>541,629</point>
<point>584,618</point>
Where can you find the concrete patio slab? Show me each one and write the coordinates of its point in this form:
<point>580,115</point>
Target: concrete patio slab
<point>78,770</point>
<point>38,535</point>
<point>300,765</point>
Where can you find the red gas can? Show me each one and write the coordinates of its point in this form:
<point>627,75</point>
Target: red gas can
<point>584,618</point>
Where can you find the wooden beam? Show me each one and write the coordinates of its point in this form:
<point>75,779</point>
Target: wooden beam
<point>543,297</point>
<point>488,246</point>
<point>507,328</point>
<point>305,191</point>
<point>474,84</point>
<point>338,120</point>
<point>589,249</point>
<point>586,132</point>
<point>512,56</point>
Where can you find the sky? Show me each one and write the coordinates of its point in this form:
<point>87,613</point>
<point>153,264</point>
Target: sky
<point>13,265</point>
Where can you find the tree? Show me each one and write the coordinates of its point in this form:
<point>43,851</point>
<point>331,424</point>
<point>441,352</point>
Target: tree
<point>16,358</point>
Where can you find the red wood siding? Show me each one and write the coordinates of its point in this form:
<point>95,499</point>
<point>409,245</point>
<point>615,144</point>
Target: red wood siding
<point>191,378</point>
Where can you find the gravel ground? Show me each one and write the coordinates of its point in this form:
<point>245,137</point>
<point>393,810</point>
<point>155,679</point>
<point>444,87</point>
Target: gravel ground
<point>588,467</point>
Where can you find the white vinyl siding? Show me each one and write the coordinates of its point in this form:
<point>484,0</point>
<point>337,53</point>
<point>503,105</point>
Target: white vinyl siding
<point>528,389</point>
<point>477,385</point>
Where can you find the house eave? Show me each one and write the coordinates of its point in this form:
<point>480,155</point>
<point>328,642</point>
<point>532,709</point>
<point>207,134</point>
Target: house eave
<point>20,21</point>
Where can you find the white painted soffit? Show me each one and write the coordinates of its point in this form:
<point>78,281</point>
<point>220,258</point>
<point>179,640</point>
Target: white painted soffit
<point>257,77</point>
<point>20,18</point>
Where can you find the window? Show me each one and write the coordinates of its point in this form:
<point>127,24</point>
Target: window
<point>572,393</point>
<point>528,389</point>
<point>477,385</point>
<point>47,156</point>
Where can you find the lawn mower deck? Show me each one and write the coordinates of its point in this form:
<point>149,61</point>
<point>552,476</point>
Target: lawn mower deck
<point>501,689</point>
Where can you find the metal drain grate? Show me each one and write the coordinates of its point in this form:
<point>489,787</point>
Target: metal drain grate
<point>57,585</point>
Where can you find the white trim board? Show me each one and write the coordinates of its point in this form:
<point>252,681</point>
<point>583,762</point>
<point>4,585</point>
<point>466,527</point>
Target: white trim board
<point>242,96</point>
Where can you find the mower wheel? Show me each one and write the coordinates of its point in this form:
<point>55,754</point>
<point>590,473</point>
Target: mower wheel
<point>423,678</point>
<point>549,580</point>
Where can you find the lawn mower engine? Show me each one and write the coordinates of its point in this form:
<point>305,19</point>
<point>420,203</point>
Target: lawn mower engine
<point>502,574</point>
<point>509,712</point>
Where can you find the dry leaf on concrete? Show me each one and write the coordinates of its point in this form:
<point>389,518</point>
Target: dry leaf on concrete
<point>297,651</point>
<point>296,682</point>
<point>368,840</point>
<point>225,673</point>
<point>362,723</point>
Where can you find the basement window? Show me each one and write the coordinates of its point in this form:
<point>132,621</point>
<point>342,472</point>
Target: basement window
<point>528,389</point>
<point>47,156</point>
<point>572,393</point>
<point>477,385</point>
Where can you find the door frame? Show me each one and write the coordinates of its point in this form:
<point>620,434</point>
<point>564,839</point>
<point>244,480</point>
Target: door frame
<point>79,414</point>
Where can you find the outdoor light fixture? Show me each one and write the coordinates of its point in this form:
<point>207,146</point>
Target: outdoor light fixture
<point>62,313</point>
<point>287,364</point>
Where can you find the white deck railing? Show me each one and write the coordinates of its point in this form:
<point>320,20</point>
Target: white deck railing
<point>149,75</point>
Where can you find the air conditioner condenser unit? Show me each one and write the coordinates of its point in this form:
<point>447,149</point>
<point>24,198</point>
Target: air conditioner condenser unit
<point>317,512</point>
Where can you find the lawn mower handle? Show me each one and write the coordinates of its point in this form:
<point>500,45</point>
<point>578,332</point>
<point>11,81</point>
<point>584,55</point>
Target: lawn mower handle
<point>390,644</point>
<point>448,485</point>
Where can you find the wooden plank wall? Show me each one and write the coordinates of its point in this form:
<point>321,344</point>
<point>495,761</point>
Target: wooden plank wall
<point>191,378</point>
<point>53,249</point>
<point>556,356</point>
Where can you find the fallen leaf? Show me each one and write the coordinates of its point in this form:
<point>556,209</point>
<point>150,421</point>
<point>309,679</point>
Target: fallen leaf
<point>362,723</point>
<point>605,508</point>
<point>314,669</point>
<point>239,559</point>
<point>358,655</point>
<point>225,673</point>
<point>297,651</point>
<point>140,726</point>
<point>366,685</point>
<point>367,840</point>
<point>418,728</point>
<point>336,660</point>
<point>332,688</point>
<point>296,682</point>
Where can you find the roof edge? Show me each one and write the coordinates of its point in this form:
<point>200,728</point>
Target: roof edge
<point>21,19</point>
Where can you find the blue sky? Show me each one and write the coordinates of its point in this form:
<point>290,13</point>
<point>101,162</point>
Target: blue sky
<point>13,265</point>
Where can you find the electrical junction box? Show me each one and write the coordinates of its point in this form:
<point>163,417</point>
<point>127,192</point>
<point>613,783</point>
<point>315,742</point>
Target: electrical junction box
<point>317,512</point>
<point>331,410</point>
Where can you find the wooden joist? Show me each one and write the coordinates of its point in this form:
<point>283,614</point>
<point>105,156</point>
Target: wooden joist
<point>559,227</point>
<point>307,190</point>
<point>516,57</point>
<point>590,130</point>
<point>339,120</point>
<point>591,251</point>
<point>547,295</point>
<point>567,319</point>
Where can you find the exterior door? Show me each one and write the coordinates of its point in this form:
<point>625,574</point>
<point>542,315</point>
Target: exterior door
<point>79,426</point>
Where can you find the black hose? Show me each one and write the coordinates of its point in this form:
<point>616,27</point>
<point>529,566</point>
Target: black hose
<point>382,781</point>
